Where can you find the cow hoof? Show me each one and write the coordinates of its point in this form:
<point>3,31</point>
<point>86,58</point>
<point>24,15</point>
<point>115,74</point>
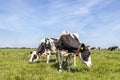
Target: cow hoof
<point>60,71</point>
<point>30,62</point>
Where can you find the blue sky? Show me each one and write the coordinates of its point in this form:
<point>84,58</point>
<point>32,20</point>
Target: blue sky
<point>26,22</point>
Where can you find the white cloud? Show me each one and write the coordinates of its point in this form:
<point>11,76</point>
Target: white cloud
<point>87,7</point>
<point>116,27</point>
<point>17,15</point>
<point>81,11</point>
<point>77,16</point>
<point>17,43</point>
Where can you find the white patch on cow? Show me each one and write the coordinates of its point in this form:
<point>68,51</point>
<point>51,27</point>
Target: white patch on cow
<point>47,54</point>
<point>53,48</point>
<point>64,53</point>
<point>47,42</point>
<point>65,32</point>
<point>43,40</point>
<point>88,63</point>
<point>77,35</point>
<point>51,41</point>
<point>33,53</point>
<point>72,35</point>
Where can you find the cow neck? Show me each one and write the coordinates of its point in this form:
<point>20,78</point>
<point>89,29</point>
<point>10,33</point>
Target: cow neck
<point>37,52</point>
<point>77,52</point>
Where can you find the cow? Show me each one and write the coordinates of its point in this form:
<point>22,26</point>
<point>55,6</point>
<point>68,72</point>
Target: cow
<point>113,48</point>
<point>71,44</point>
<point>92,48</point>
<point>46,47</point>
<point>99,48</point>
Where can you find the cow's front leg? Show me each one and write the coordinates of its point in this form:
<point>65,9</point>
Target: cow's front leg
<point>74,60</point>
<point>56,57</point>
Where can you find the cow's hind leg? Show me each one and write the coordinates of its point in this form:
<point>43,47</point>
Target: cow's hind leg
<point>59,60</point>
<point>48,56</point>
<point>69,61</point>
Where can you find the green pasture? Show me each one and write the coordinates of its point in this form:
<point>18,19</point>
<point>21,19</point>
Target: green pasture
<point>14,66</point>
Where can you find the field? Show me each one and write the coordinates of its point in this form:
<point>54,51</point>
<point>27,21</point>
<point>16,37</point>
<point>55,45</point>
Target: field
<point>14,66</point>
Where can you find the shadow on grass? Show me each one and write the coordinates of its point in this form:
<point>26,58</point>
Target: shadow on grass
<point>44,61</point>
<point>73,70</point>
<point>82,70</point>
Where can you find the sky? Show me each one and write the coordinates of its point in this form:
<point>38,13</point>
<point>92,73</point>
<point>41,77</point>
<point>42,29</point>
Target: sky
<point>23,23</point>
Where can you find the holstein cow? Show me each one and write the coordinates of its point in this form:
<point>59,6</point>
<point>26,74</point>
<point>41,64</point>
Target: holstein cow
<point>70,43</point>
<point>92,48</point>
<point>113,48</point>
<point>46,47</point>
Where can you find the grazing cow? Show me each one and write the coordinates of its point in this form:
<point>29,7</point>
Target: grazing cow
<point>113,48</point>
<point>93,48</point>
<point>99,48</point>
<point>70,43</point>
<point>46,47</point>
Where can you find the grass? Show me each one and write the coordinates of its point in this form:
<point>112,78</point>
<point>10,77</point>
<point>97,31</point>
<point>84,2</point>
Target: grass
<point>14,66</point>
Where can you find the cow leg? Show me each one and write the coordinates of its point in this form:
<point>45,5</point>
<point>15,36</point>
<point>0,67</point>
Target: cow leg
<point>48,56</point>
<point>56,56</point>
<point>59,60</point>
<point>69,62</point>
<point>74,60</point>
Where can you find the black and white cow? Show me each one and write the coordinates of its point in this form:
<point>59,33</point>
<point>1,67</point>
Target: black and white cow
<point>113,48</point>
<point>46,47</point>
<point>71,44</point>
<point>92,48</point>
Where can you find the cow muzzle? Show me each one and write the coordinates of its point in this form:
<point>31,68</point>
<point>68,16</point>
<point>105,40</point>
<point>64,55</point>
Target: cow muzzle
<point>89,65</point>
<point>30,62</point>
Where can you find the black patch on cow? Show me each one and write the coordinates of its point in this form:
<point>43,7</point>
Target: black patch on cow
<point>67,42</point>
<point>34,57</point>
<point>46,45</point>
<point>55,41</point>
<point>85,53</point>
<point>41,48</point>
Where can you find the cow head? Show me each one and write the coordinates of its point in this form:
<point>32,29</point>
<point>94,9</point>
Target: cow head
<point>84,55</point>
<point>34,57</point>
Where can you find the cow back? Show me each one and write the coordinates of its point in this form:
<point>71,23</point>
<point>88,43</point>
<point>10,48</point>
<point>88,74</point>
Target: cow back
<point>67,42</point>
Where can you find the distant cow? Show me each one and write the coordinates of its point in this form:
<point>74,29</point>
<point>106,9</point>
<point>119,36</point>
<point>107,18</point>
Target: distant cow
<point>46,47</point>
<point>93,48</point>
<point>113,48</point>
<point>70,43</point>
<point>99,48</point>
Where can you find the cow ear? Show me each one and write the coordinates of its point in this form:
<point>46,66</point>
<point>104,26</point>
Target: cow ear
<point>82,47</point>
